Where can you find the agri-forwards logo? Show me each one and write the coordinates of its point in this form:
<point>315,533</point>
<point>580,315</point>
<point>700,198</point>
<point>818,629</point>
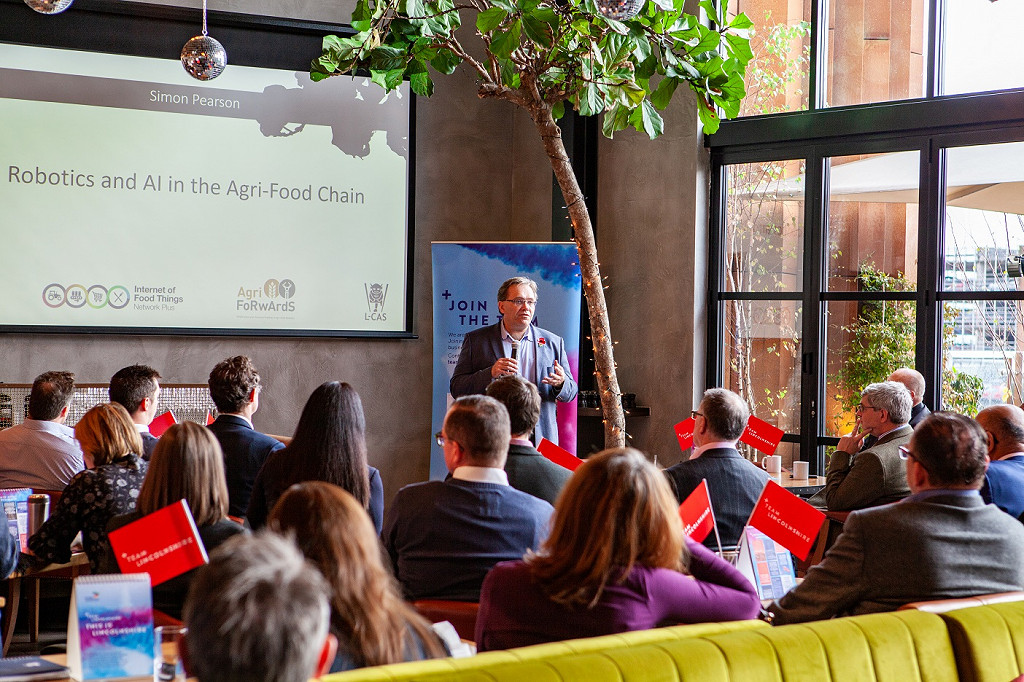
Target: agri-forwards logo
<point>273,296</point>
<point>78,296</point>
<point>376,295</point>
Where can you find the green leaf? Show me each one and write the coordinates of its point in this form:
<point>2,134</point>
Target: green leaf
<point>646,119</point>
<point>708,116</point>
<point>663,94</point>
<point>411,8</point>
<point>490,19</point>
<point>505,5</point>
<point>591,100</point>
<point>503,42</point>
<point>714,10</point>
<point>558,109</point>
<point>419,80</point>
<point>709,41</point>
<point>388,58</point>
<point>387,79</point>
<point>627,93</point>
<point>741,22</point>
<point>616,118</point>
<point>537,31</point>
<point>665,5</point>
<point>739,47</point>
<point>362,17</point>
<point>616,26</point>
<point>446,61</point>
<point>581,26</point>
<point>683,70</point>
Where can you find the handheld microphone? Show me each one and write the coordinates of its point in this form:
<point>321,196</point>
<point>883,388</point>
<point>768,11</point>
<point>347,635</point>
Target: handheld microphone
<point>515,349</point>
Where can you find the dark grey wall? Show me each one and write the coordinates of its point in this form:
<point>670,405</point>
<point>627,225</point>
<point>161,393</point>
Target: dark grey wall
<point>481,175</point>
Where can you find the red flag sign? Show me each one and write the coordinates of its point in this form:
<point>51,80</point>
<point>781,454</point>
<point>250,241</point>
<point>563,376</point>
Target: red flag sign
<point>164,544</point>
<point>162,423</point>
<point>762,435</point>
<point>684,432</point>
<point>559,456</point>
<point>696,513</point>
<point>209,418</point>
<point>787,519</point>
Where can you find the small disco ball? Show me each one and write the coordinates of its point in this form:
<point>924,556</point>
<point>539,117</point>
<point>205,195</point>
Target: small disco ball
<point>204,58</point>
<point>49,6</point>
<point>620,10</point>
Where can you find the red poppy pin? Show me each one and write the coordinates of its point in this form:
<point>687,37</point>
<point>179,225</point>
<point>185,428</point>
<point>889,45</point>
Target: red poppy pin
<point>542,341</point>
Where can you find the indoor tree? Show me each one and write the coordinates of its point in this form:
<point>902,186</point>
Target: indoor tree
<point>544,54</point>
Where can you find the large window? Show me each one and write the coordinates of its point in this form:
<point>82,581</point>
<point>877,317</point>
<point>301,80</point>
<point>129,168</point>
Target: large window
<point>876,225</point>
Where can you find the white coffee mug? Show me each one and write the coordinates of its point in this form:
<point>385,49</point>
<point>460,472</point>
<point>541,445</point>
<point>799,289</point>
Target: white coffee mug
<point>800,470</point>
<point>772,463</point>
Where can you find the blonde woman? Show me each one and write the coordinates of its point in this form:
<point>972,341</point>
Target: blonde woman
<point>110,484</point>
<point>615,560</point>
<point>187,464</point>
<point>373,624</point>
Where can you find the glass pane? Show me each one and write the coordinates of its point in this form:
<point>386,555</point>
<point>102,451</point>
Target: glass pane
<point>982,46</point>
<point>762,358</point>
<point>982,362</point>
<point>984,225</point>
<point>872,221</point>
<point>876,50</point>
<point>865,342</point>
<point>764,219</point>
<point>777,76</point>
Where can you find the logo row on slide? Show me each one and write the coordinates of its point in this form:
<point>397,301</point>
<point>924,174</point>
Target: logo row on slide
<point>77,296</point>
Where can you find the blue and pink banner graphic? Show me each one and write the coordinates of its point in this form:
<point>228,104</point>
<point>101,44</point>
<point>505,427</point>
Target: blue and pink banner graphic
<point>466,280</point>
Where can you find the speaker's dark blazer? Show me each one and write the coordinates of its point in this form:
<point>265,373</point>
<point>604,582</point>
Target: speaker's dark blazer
<point>245,451</point>
<point>734,484</point>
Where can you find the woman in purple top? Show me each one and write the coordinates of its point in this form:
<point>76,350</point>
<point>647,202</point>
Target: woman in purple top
<point>615,561</point>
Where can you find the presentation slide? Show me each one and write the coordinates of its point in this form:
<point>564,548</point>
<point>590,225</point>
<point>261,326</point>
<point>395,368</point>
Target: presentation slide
<point>135,197</point>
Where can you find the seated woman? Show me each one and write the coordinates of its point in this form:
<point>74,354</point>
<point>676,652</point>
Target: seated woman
<point>114,470</point>
<point>186,464</point>
<point>615,561</point>
<point>329,445</point>
<point>373,624</point>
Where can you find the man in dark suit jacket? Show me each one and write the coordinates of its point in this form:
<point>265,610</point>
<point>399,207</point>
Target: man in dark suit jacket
<point>540,357</point>
<point>527,469</point>
<point>1004,480</point>
<point>137,389</point>
<point>734,484</point>
<point>444,536</point>
<point>942,542</point>
<point>235,389</point>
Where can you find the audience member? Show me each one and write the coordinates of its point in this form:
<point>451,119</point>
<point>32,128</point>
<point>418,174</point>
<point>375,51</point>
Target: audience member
<point>527,469</point>
<point>187,465</point>
<point>914,382</point>
<point>109,486</point>
<point>41,452</point>
<point>513,345</point>
<point>372,622</point>
<point>329,445</point>
<point>137,389</point>
<point>734,484</point>
<point>867,478</point>
<point>615,561</point>
<point>235,388</point>
<point>942,542</point>
<point>443,536</point>
<point>1004,480</point>
<point>257,612</point>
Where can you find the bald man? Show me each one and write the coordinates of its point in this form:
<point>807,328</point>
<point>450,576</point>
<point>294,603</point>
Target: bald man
<point>1004,480</point>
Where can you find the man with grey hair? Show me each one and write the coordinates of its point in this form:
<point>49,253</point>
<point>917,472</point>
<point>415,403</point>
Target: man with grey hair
<point>914,381</point>
<point>857,478</point>
<point>514,346</point>
<point>734,484</point>
<point>257,612</point>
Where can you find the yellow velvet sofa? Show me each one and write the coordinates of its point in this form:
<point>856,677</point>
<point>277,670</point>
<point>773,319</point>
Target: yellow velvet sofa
<point>980,644</point>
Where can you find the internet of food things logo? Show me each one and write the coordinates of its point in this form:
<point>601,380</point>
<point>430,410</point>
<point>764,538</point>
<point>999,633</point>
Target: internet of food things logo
<point>376,295</point>
<point>78,296</point>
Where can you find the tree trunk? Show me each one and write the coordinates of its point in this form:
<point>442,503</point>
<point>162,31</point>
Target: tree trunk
<point>604,360</point>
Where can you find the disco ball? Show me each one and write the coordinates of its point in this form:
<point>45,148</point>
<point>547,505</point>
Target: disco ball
<point>204,58</point>
<point>620,10</point>
<point>49,6</point>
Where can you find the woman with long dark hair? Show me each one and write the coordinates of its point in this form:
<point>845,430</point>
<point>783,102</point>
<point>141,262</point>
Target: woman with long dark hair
<point>372,622</point>
<point>615,560</point>
<point>329,445</point>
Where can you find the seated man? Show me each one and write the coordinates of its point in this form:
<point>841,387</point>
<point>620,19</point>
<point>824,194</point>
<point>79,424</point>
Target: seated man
<point>942,542</point>
<point>444,536</point>
<point>137,389</point>
<point>235,389</point>
<point>257,611</point>
<point>42,452</point>
<point>914,381</point>
<point>874,476</point>
<point>527,469</point>
<point>1004,480</point>
<point>734,484</point>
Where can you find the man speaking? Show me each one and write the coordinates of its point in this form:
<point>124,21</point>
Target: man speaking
<point>515,346</point>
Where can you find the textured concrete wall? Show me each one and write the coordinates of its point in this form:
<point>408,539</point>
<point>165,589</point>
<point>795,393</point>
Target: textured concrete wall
<point>481,175</point>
